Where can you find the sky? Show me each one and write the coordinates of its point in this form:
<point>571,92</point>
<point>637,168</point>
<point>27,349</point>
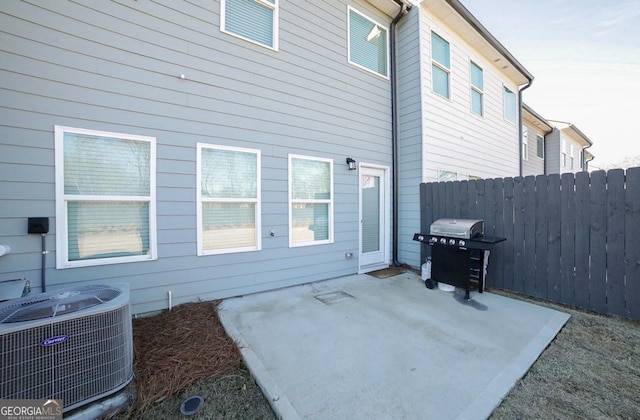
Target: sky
<point>585,59</point>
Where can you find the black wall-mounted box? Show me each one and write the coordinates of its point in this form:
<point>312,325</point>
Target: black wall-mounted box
<point>38,225</point>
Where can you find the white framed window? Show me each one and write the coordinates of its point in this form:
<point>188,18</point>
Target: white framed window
<point>540,146</point>
<point>440,65</point>
<point>105,197</point>
<point>525,143</point>
<point>368,43</point>
<point>571,156</point>
<point>252,20</point>
<point>446,176</point>
<point>563,145</point>
<point>228,199</point>
<point>310,201</point>
<point>509,101</point>
<point>477,89</point>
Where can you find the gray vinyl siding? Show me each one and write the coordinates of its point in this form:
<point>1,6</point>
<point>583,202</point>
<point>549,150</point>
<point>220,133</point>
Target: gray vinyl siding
<point>533,165</point>
<point>116,65</point>
<point>410,137</point>
<point>552,152</point>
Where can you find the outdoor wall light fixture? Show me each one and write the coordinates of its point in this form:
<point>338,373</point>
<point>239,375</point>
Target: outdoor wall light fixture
<point>351,163</point>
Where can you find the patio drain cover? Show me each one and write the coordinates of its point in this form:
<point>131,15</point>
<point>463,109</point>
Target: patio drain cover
<point>333,297</point>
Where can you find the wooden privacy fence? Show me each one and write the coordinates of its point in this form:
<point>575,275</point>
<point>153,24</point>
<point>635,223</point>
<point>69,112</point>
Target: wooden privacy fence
<point>571,238</point>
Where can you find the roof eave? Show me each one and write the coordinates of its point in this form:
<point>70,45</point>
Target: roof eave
<point>493,41</point>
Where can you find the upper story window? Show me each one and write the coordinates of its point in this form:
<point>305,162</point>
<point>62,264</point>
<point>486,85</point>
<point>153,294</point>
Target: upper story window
<point>571,156</point>
<point>563,147</point>
<point>253,20</point>
<point>525,143</point>
<point>477,89</point>
<point>228,195</point>
<point>368,43</point>
<point>509,100</point>
<point>310,201</point>
<point>105,197</point>
<point>540,146</point>
<point>440,65</point>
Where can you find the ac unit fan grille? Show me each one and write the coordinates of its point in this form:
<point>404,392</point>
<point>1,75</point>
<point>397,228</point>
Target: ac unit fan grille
<point>52,304</point>
<point>94,361</point>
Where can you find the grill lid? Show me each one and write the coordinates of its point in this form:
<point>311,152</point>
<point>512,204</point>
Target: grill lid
<point>457,228</point>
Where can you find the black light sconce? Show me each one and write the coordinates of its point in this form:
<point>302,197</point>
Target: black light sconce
<point>351,163</point>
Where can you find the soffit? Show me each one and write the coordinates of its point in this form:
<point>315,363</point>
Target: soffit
<point>388,7</point>
<point>479,38</point>
<point>577,135</point>
<point>533,118</point>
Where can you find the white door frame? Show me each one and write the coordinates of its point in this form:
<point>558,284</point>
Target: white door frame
<point>385,219</point>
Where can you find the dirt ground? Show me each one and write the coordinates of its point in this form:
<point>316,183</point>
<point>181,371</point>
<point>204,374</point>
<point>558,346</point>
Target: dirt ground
<point>590,371</point>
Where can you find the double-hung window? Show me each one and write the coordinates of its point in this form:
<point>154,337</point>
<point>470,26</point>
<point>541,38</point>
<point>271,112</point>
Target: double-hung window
<point>525,143</point>
<point>105,197</point>
<point>440,65</point>
<point>368,43</point>
<point>228,199</point>
<point>477,89</point>
<point>310,200</point>
<point>509,101</point>
<point>540,146</point>
<point>253,20</point>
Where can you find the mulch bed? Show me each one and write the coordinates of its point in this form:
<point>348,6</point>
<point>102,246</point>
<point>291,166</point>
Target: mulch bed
<point>177,348</point>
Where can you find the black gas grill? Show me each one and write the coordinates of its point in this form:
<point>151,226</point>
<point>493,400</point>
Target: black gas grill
<point>459,252</point>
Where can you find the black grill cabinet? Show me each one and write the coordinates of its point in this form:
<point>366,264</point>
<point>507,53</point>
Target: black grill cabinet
<point>459,251</point>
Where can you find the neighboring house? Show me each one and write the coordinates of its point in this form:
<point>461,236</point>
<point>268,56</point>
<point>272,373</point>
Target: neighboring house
<point>534,130</point>
<point>459,107</point>
<point>566,149</point>
<point>200,147</point>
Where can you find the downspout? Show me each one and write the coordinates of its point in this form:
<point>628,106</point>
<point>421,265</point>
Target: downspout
<point>521,123</point>
<point>394,126</point>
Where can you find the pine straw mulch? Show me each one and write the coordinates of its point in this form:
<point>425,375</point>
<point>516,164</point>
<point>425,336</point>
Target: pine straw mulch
<point>171,354</point>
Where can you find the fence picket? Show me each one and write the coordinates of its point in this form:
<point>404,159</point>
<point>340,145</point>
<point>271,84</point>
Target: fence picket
<point>615,242</point>
<point>495,272</point>
<point>598,242</point>
<point>507,256</point>
<point>529,243</point>
<point>582,210</point>
<point>519,205</point>
<point>553,238</point>
<point>632,243</point>
<point>567,238</point>
<point>541,248</point>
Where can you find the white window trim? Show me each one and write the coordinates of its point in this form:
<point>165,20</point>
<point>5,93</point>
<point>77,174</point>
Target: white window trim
<point>440,66</point>
<point>62,233</point>
<point>199,200</point>
<point>476,89</point>
<point>386,30</point>
<point>504,105</point>
<point>329,201</point>
<point>276,14</point>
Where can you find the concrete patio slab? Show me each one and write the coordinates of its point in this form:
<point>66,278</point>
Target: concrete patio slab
<point>360,347</point>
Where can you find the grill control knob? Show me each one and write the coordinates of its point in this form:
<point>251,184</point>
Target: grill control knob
<point>452,241</point>
<point>462,243</point>
<point>443,241</point>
